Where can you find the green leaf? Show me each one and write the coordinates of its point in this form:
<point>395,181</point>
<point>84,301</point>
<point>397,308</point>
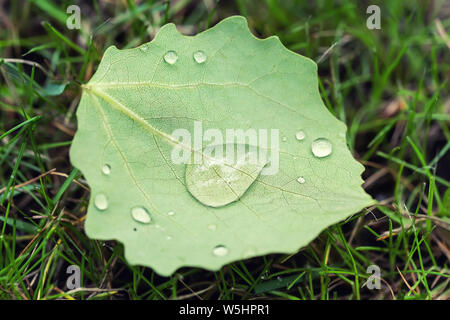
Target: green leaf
<point>54,89</point>
<point>20,225</point>
<point>223,78</point>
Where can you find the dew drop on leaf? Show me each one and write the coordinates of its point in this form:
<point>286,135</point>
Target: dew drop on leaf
<point>219,180</point>
<point>321,147</point>
<point>284,139</point>
<point>301,180</point>
<point>212,227</point>
<point>300,135</point>
<point>171,57</point>
<point>170,213</point>
<point>106,169</point>
<point>199,56</point>
<point>140,214</point>
<point>101,202</point>
<point>220,251</point>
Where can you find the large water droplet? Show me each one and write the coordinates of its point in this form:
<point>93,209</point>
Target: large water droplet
<point>219,180</point>
<point>140,214</point>
<point>171,57</point>
<point>101,202</point>
<point>220,251</point>
<point>300,135</point>
<point>199,56</point>
<point>106,169</point>
<point>321,147</point>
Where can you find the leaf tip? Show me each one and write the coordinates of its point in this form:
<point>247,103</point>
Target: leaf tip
<point>168,30</point>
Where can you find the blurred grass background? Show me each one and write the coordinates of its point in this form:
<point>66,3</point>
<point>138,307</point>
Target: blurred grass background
<point>390,86</point>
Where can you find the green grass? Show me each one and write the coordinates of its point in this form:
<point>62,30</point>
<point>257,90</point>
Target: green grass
<point>390,86</point>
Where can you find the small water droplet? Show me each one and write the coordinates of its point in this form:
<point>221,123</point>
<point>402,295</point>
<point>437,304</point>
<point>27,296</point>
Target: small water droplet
<point>101,202</point>
<point>170,213</point>
<point>321,147</point>
<point>140,214</point>
<point>279,279</point>
<point>301,180</point>
<point>199,56</point>
<point>169,238</point>
<point>171,57</point>
<point>212,227</point>
<point>300,135</point>
<point>143,48</point>
<point>220,251</point>
<point>106,169</point>
<point>284,139</point>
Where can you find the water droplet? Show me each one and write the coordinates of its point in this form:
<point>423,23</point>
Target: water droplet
<point>171,57</point>
<point>212,227</point>
<point>301,180</point>
<point>140,214</point>
<point>170,213</point>
<point>279,279</point>
<point>106,169</point>
<point>199,56</point>
<point>219,180</point>
<point>220,251</point>
<point>300,135</point>
<point>143,48</point>
<point>321,147</point>
<point>169,238</point>
<point>101,202</point>
<point>284,139</point>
